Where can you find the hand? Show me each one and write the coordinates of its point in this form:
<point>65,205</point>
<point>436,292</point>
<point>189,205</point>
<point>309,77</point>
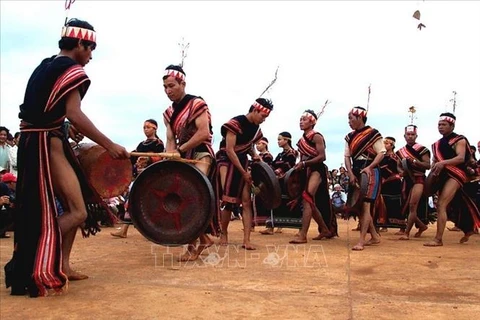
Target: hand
<point>256,157</point>
<point>367,170</point>
<point>437,168</point>
<point>116,151</point>
<point>298,166</point>
<point>4,200</point>
<point>142,162</point>
<point>74,134</point>
<point>247,177</point>
<point>353,179</point>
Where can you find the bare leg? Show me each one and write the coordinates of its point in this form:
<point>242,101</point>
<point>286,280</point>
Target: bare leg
<point>415,195</point>
<point>67,188</point>
<point>446,195</point>
<point>224,225</point>
<point>191,253</point>
<point>366,223</point>
<point>247,218</point>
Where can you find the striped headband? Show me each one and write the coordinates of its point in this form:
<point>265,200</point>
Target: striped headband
<point>175,73</point>
<point>389,141</point>
<point>310,117</point>
<point>283,137</point>
<point>411,129</point>
<point>358,112</point>
<point>79,33</point>
<point>447,118</point>
<point>261,108</point>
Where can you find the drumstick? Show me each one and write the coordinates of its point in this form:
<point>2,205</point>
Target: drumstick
<point>168,155</point>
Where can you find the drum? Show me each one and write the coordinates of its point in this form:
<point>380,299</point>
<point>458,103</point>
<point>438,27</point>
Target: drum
<point>431,185</point>
<point>171,203</point>
<point>286,217</point>
<point>294,183</point>
<point>108,177</point>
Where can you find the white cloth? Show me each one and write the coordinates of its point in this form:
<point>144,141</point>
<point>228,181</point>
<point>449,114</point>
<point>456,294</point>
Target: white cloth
<point>13,160</point>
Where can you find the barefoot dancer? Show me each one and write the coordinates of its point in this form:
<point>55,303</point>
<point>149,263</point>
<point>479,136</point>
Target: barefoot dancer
<point>189,132</point>
<point>364,150</point>
<point>315,197</point>
<point>48,168</point>
<point>451,162</point>
<point>418,158</point>
<point>239,136</point>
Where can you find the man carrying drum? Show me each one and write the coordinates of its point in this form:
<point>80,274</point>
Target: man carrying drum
<point>417,158</point>
<point>47,167</point>
<point>451,169</point>
<point>364,150</point>
<point>189,132</point>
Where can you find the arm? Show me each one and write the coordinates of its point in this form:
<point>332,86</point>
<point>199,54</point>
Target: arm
<point>347,159</point>
<point>85,126</point>
<point>202,134</point>
<point>231,140</point>
<point>379,148</point>
<point>171,144</point>
<point>425,163</point>
<point>460,150</point>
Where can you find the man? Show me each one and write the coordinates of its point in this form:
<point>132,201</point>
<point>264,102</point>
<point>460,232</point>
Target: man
<point>8,184</point>
<point>418,159</point>
<point>13,154</point>
<point>364,150</point>
<point>452,165</point>
<point>388,212</point>
<point>315,197</point>
<point>239,135</point>
<point>47,167</point>
<point>189,132</point>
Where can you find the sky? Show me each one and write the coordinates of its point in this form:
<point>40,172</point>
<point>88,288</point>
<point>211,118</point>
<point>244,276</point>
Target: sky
<point>324,50</point>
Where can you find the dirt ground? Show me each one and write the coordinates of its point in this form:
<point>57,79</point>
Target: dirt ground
<point>134,279</point>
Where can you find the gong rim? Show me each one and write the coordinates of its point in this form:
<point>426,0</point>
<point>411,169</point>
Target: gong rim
<point>157,210</point>
<point>272,199</point>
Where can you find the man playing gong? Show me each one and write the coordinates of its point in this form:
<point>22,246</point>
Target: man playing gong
<point>240,134</point>
<point>364,150</point>
<point>189,132</point>
<point>452,166</point>
<point>418,159</point>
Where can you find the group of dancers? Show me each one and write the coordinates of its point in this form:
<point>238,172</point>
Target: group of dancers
<point>48,169</point>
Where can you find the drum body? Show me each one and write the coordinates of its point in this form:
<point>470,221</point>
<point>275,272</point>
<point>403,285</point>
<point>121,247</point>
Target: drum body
<point>108,177</point>
<point>286,217</point>
<point>171,203</point>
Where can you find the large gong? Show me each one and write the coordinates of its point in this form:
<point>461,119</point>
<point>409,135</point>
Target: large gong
<point>171,203</point>
<point>266,185</point>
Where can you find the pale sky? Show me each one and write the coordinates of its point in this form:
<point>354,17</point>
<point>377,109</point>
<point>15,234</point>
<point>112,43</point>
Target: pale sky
<point>325,50</point>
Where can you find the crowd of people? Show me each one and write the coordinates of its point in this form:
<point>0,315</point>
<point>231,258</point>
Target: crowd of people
<point>379,186</point>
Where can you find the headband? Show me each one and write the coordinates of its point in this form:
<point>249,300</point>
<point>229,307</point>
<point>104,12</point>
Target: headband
<point>263,141</point>
<point>261,108</point>
<point>175,73</point>
<point>79,33</point>
<point>411,128</point>
<point>447,118</point>
<point>358,112</point>
<point>310,117</point>
<point>283,137</point>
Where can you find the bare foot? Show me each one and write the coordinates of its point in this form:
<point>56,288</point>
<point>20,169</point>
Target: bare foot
<point>433,243</point>
<point>400,233</point>
<point>466,237</point>
<point>279,230</point>
<point>268,231</point>
<point>189,256</point>
<point>372,242</point>
<point>118,234</point>
<point>75,276</point>
<point>248,246</point>
<point>404,237</point>
<point>356,229</point>
<point>358,247</point>
<point>453,229</point>
<point>298,240</point>
<point>420,231</point>
<point>321,236</point>
<point>383,230</point>
<point>205,242</point>
<point>224,239</point>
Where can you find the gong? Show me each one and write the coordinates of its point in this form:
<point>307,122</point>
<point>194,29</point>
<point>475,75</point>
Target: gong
<point>266,185</point>
<point>171,203</point>
<point>294,183</point>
